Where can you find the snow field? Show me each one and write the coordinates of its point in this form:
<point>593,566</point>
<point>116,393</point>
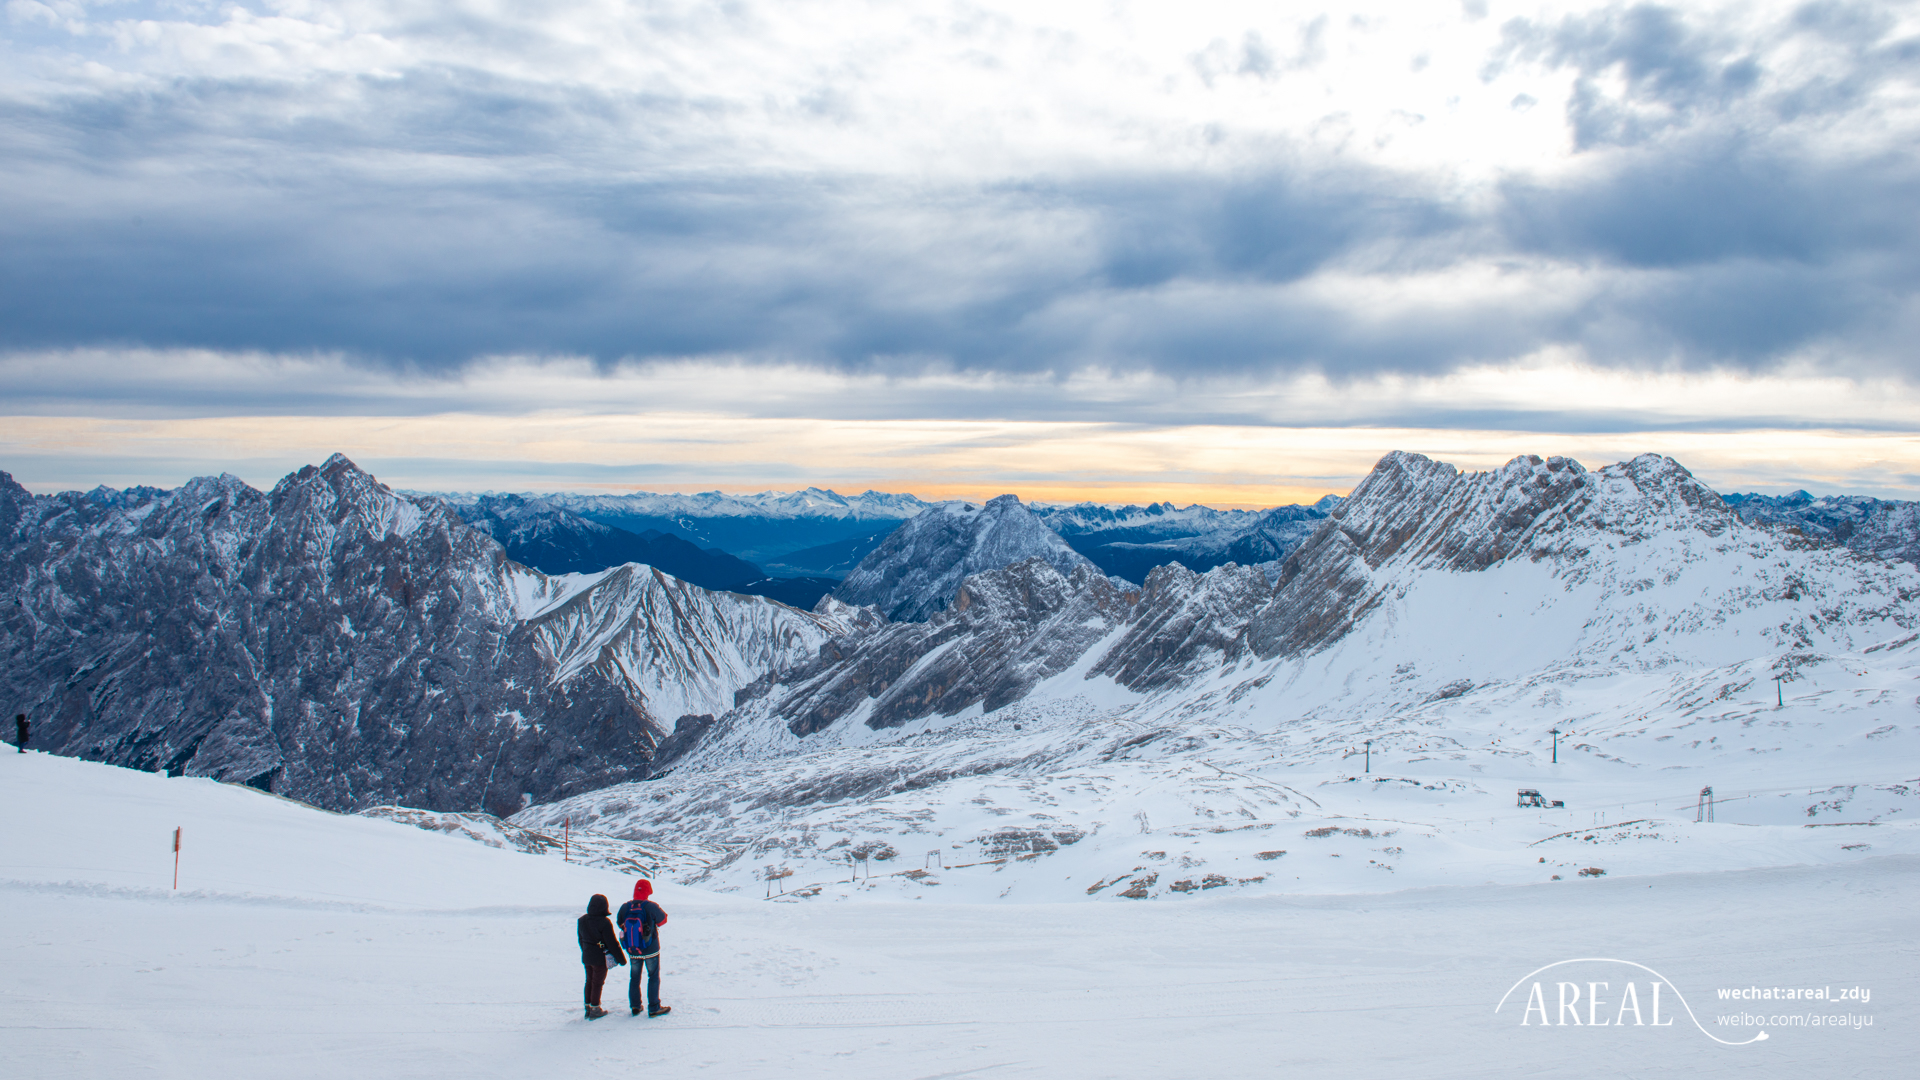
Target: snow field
<point>1198,796</point>
<point>311,944</point>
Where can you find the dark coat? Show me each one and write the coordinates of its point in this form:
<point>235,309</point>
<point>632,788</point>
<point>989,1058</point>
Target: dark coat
<point>647,912</point>
<point>598,942</point>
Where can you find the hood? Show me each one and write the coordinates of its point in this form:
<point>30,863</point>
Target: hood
<point>597,905</point>
<point>642,889</point>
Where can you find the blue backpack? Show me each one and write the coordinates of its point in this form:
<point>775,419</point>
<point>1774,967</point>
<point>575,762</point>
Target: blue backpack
<point>637,936</point>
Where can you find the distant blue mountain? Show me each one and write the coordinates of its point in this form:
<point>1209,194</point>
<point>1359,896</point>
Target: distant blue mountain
<point>1887,528</point>
<point>1128,542</point>
<point>554,540</point>
<point>835,560</point>
<point>810,537</point>
<point>763,528</point>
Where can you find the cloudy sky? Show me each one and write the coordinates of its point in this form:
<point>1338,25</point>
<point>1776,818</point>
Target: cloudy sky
<point>1212,252</point>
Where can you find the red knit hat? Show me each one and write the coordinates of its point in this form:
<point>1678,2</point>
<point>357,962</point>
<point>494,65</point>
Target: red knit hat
<point>642,889</point>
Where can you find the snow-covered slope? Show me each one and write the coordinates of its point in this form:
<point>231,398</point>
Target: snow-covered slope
<point>302,943</point>
<point>918,569</point>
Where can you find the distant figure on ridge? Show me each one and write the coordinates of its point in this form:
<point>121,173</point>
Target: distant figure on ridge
<point>598,944</point>
<point>640,922</point>
<point>20,726</point>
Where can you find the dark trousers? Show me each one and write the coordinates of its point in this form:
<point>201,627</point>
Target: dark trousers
<point>652,966</point>
<point>596,978</point>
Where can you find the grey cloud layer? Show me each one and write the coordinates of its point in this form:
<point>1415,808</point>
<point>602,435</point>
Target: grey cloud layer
<point>447,213</point>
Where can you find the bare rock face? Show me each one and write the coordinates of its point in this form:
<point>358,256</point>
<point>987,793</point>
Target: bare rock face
<point>1185,623</point>
<point>1004,632</point>
<point>918,569</point>
<point>336,642</point>
<point>329,640</point>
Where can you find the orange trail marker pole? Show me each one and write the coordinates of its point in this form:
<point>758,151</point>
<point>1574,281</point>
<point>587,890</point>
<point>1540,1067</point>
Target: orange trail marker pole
<point>176,857</point>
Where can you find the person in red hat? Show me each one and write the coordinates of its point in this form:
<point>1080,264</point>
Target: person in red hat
<point>640,921</point>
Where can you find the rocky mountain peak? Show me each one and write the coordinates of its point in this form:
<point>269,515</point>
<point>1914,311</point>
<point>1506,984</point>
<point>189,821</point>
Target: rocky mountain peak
<point>919,568</point>
<point>16,504</point>
<point>1417,514</point>
<point>1655,484</point>
<point>338,499</point>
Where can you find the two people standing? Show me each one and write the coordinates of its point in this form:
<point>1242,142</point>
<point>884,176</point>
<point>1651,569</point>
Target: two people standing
<point>640,920</point>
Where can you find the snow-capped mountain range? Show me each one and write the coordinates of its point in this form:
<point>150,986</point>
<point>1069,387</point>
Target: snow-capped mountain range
<point>1447,620</point>
<point>338,642</point>
<point>1413,529</point>
<point>351,646</point>
<point>817,533</point>
<point>1129,541</point>
<point>539,533</point>
<point>758,528</point>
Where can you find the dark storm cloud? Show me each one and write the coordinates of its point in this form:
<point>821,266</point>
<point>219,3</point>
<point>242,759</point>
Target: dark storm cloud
<point>1739,252</point>
<point>305,236</point>
<point>1277,227</point>
<point>425,219</point>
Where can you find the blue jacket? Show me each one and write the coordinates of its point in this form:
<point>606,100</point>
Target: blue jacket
<point>647,912</point>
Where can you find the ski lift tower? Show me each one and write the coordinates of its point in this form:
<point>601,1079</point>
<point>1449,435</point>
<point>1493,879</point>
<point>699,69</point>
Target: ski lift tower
<point>1556,744</point>
<point>1704,811</point>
